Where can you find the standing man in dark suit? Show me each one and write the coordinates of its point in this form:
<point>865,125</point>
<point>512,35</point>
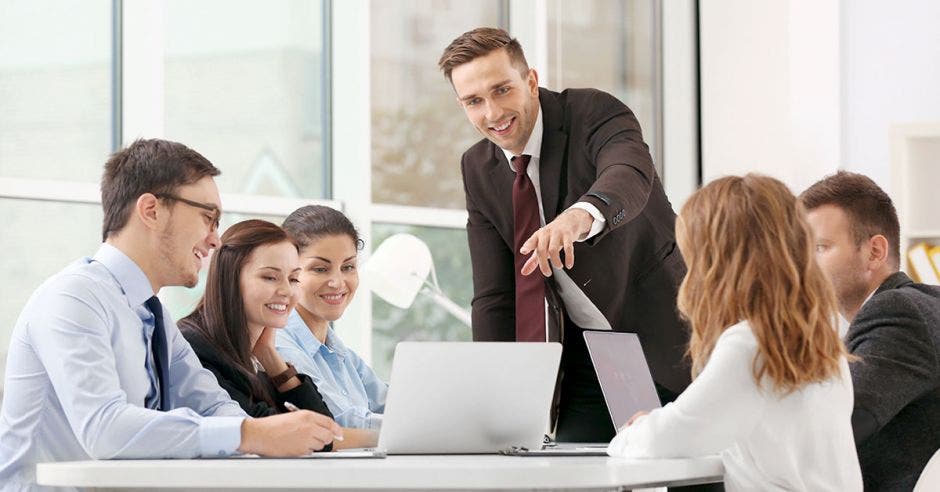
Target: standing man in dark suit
<point>564,184</point>
<point>894,329</point>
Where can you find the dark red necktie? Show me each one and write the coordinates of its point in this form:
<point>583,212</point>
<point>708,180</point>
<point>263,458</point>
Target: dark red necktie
<point>530,290</point>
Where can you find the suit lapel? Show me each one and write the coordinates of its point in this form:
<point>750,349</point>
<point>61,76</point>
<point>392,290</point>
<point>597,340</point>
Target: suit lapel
<point>554,147</point>
<point>501,178</point>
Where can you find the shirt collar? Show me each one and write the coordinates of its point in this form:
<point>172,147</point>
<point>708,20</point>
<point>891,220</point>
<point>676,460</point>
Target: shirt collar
<point>131,278</point>
<point>844,323</point>
<point>870,295</point>
<point>298,330</point>
<point>534,146</point>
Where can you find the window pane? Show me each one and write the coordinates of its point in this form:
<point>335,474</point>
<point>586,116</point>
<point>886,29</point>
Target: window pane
<point>619,36</point>
<point>39,239</point>
<point>55,88</point>
<point>245,90</point>
<point>424,320</point>
<point>418,130</point>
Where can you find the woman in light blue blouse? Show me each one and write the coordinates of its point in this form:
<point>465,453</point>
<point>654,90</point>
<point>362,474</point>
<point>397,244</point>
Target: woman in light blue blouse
<point>329,248</point>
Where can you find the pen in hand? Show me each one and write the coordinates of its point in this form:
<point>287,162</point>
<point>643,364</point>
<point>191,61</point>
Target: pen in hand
<point>293,408</point>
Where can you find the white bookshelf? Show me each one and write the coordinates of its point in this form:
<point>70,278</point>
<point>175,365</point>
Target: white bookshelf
<point>915,183</point>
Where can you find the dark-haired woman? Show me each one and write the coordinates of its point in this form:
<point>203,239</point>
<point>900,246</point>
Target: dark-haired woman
<point>250,291</point>
<point>329,248</point>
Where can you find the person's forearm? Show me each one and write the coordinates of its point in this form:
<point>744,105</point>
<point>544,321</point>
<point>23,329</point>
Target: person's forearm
<point>357,438</point>
<point>274,364</point>
<point>140,433</point>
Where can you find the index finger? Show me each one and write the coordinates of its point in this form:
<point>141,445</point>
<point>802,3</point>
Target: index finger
<point>323,424</point>
<point>569,255</point>
<point>530,265</point>
<point>320,433</point>
<point>531,243</point>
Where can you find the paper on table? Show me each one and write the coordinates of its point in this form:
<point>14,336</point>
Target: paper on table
<point>341,454</point>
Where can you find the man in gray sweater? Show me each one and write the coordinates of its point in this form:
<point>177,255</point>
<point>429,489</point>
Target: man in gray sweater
<point>894,329</point>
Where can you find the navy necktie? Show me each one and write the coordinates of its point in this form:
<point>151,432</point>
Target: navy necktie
<point>160,357</point>
<point>530,290</point>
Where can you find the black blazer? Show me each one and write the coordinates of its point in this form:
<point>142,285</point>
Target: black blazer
<point>896,419</point>
<point>592,151</point>
<point>305,396</point>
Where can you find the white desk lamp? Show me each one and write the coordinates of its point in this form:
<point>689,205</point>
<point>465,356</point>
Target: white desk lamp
<point>398,271</point>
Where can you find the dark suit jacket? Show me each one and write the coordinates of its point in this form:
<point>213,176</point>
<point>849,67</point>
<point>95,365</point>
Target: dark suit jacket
<point>592,151</point>
<point>305,396</point>
<point>897,382</point>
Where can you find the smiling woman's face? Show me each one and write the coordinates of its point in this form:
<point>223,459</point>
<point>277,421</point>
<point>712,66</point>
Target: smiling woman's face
<point>269,284</point>
<point>329,276</point>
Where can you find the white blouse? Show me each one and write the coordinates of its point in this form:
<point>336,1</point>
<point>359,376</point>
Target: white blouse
<point>801,441</point>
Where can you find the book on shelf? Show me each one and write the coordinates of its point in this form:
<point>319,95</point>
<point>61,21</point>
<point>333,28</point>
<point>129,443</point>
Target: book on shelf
<point>925,263</point>
<point>935,258</point>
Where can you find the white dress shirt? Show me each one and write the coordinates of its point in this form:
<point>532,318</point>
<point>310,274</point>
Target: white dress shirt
<point>800,441</point>
<point>79,378</point>
<point>579,308</point>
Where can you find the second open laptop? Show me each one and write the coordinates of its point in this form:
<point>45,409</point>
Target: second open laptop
<point>468,397</point>
<point>623,374</point>
<point>625,381</point>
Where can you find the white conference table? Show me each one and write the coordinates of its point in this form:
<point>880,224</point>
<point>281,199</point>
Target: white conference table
<point>434,472</point>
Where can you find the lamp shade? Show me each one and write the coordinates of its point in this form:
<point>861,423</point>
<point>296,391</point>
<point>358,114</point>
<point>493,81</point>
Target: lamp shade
<point>397,269</point>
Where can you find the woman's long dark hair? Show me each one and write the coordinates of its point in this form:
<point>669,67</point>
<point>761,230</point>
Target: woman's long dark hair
<point>220,315</point>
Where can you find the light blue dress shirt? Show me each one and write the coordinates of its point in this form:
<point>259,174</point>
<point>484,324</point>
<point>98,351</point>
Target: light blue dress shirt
<point>355,395</point>
<point>80,382</point>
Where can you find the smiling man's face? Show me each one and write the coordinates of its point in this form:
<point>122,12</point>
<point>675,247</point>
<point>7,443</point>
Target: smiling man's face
<point>500,102</point>
<point>189,234</point>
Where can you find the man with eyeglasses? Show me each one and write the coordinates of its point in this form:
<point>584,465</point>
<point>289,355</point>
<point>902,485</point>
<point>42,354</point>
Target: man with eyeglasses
<point>97,368</point>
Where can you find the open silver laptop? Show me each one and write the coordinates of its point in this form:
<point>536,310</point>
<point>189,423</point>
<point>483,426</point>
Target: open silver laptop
<point>468,397</point>
<point>623,374</point>
<point>625,381</point>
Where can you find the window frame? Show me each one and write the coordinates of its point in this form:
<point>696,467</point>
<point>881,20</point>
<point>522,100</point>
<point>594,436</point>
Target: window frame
<point>138,110</point>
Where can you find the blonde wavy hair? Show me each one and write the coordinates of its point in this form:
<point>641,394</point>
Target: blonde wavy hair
<point>749,252</point>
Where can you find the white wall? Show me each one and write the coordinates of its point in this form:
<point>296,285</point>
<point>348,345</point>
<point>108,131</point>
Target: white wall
<point>770,88</point>
<point>680,100</point>
<point>890,75</point>
<point>799,88</point>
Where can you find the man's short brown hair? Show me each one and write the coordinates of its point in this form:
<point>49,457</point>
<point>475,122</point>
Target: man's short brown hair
<point>479,42</point>
<point>146,166</point>
<point>869,208</point>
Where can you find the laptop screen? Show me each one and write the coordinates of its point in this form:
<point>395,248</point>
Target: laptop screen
<point>623,374</point>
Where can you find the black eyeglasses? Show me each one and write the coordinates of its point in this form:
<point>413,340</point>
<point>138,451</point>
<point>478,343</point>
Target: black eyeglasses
<point>216,212</point>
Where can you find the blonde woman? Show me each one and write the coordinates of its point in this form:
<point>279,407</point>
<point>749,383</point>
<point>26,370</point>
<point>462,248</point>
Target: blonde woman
<point>771,391</point>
